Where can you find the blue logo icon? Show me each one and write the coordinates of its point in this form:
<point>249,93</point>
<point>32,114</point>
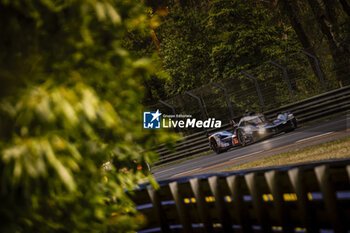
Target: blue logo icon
<point>151,120</point>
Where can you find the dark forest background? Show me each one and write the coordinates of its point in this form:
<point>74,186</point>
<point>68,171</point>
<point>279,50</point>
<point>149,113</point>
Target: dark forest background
<point>196,42</point>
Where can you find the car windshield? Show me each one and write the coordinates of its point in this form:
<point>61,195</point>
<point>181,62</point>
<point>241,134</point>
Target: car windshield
<point>255,121</point>
<point>280,117</point>
<point>251,121</point>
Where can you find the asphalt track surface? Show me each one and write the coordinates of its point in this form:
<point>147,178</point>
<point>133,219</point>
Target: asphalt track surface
<point>301,137</point>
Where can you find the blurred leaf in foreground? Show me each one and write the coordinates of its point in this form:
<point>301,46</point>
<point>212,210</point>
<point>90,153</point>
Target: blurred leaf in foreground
<point>70,99</point>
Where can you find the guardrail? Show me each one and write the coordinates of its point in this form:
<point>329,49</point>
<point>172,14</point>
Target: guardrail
<point>307,110</point>
<point>298,198</point>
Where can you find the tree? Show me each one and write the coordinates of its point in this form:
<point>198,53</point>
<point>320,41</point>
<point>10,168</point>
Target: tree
<point>204,41</point>
<point>328,25</point>
<point>69,102</point>
<point>291,9</point>
<point>244,36</point>
<point>345,6</point>
<point>184,49</point>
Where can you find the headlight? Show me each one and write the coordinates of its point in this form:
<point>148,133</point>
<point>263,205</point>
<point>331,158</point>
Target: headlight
<point>262,130</point>
<point>247,129</point>
<point>290,116</point>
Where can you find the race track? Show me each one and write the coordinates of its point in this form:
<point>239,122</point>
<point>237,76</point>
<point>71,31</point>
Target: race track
<point>301,137</point>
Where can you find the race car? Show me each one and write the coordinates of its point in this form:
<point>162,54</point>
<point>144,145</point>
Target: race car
<point>250,129</point>
<point>255,127</point>
<point>222,141</point>
<point>285,122</point>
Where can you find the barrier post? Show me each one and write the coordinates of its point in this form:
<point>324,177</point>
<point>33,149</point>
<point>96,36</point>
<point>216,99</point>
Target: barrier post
<point>172,108</point>
<point>227,98</point>
<point>204,116</point>
<point>285,74</point>
<point>318,68</point>
<point>257,88</point>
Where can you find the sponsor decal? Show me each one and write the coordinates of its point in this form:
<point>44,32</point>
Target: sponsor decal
<point>152,120</point>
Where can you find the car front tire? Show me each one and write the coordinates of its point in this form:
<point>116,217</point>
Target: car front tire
<point>214,146</point>
<point>240,137</point>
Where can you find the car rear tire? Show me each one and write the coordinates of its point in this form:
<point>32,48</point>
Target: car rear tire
<point>293,125</point>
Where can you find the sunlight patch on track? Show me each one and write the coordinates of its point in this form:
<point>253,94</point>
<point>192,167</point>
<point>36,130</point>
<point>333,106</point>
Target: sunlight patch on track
<point>247,155</point>
<point>320,135</point>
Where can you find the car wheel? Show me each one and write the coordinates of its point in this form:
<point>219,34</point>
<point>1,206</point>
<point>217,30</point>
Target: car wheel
<point>214,146</point>
<point>240,137</point>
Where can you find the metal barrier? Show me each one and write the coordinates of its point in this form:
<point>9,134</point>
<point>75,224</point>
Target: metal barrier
<point>314,108</point>
<point>299,198</point>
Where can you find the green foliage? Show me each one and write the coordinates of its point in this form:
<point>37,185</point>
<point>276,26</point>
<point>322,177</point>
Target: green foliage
<point>185,50</point>
<point>207,41</point>
<point>247,36</point>
<point>217,40</point>
<point>70,101</point>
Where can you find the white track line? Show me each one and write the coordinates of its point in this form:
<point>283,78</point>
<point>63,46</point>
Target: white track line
<point>155,172</point>
<point>187,172</point>
<point>301,140</point>
<point>247,155</point>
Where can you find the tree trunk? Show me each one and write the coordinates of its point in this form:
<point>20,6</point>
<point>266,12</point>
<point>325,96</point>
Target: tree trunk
<point>157,45</point>
<point>331,13</point>
<point>345,6</point>
<point>329,6</point>
<point>329,29</point>
<point>289,8</point>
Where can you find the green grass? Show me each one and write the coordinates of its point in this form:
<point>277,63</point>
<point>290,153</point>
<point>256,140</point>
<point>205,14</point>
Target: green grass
<point>337,149</point>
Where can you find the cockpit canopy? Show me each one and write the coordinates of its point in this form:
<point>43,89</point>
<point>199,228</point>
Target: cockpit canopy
<point>252,120</point>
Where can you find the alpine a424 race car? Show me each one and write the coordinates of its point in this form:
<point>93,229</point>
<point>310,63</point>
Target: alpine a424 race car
<point>251,129</point>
